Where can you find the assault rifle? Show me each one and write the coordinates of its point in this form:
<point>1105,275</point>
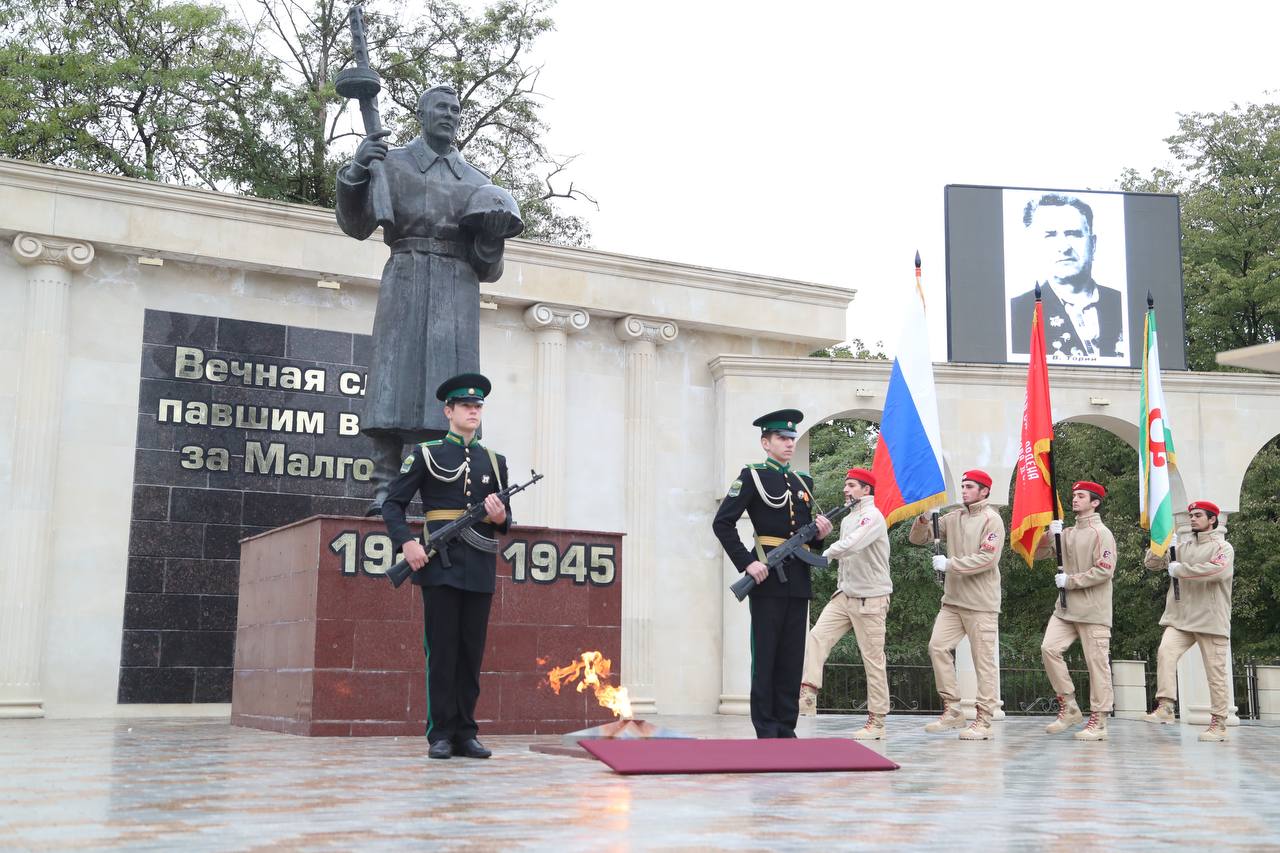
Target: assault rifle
<point>793,547</point>
<point>439,540</point>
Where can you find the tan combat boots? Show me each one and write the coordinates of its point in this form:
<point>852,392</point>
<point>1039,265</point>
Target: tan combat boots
<point>1163,713</point>
<point>1095,729</point>
<point>1068,715</point>
<point>808,700</point>
<point>952,718</point>
<point>979,729</point>
<point>1217,731</point>
<point>873,730</point>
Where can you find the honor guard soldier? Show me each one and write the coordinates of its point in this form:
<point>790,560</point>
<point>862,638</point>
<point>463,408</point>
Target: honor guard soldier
<point>779,502</point>
<point>1198,614</point>
<point>451,474</point>
<point>974,535</point>
<point>861,602</point>
<point>1088,565</point>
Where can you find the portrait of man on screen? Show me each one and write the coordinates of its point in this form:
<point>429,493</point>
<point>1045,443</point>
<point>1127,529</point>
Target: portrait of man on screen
<point>1052,239</point>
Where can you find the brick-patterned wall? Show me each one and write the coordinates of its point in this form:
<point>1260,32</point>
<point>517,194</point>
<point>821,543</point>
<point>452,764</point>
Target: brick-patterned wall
<point>326,646</point>
<point>186,526</point>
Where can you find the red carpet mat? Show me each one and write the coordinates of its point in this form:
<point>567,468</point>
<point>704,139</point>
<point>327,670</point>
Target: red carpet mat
<point>818,755</point>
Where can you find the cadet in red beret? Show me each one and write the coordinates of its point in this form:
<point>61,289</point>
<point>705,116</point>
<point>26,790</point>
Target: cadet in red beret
<point>974,535</point>
<point>861,602</point>
<point>1201,616</point>
<point>1088,565</point>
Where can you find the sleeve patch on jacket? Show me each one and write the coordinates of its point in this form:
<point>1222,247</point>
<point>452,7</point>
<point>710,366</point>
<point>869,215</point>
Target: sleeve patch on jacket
<point>1219,559</point>
<point>735,488</point>
<point>865,521</point>
<point>408,463</point>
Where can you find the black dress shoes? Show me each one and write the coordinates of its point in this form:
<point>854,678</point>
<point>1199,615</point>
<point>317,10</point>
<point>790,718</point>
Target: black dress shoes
<point>440,749</point>
<point>472,749</point>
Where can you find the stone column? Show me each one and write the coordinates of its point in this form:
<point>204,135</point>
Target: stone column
<point>642,337</point>
<point>24,575</point>
<point>551,325</point>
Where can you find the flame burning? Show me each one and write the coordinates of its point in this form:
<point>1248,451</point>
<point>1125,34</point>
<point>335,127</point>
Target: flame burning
<point>594,670</point>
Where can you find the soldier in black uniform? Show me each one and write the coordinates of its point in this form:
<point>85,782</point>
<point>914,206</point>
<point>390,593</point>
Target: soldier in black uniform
<point>779,502</point>
<point>451,474</point>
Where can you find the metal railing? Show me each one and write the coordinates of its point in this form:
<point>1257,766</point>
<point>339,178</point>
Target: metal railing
<point>1023,687</point>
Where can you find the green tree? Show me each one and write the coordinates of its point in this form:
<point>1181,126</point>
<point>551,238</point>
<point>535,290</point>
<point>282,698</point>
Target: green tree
<point>483,55</point>
<point>854,349</point>
<point>162,91</point>
<point>188,93</point>
<point>1228,177</point>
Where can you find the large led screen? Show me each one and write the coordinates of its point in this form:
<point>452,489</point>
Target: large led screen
<point>1095,257</point>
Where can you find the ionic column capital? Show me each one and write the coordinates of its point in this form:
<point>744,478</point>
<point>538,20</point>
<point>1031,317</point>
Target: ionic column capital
<point>562,318</point>
<point>632,329</point>
<point>31,250</point>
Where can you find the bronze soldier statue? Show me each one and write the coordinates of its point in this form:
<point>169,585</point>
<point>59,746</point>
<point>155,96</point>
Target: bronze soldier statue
<point>446,228</point>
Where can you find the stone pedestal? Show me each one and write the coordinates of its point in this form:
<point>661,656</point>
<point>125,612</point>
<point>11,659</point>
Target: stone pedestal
<point>642,337</point>
<point>24,573</point>
<point>1129,682</point>
<point>326,646</point>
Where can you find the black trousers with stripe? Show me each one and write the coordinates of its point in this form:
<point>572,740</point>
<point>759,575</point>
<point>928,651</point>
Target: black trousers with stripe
<point>778,630</point>
<point>455,623</point>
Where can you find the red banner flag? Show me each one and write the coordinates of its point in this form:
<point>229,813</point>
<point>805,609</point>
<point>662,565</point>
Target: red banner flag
<point>1033,493</point>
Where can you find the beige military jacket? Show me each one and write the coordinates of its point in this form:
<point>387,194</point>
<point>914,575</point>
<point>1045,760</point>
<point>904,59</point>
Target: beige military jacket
<point>1208,563</point>
<point>863,552</point>
<point>1089,559</point>
<point>974,536</point>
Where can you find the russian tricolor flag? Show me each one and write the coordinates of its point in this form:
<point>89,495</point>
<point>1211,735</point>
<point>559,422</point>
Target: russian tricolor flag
<point>908,460</point>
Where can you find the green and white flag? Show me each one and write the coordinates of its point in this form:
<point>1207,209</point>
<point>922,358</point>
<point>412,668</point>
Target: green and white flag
<point>1155,446</point>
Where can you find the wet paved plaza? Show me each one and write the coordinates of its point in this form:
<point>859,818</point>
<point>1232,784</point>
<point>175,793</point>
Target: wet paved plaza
<point>204,785</point>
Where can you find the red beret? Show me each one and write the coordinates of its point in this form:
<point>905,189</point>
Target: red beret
<point>982,478</point>
<point>1089,486</point>
<point>861,474</point>
<point>1207,506</point>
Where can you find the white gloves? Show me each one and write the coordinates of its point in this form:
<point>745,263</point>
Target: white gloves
<point>1175,569</point>
<point>939,563</point>
<point>1060,580</point>
<point>1055,526</point>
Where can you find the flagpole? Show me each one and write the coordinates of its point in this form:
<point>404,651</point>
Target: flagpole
<point>1057,507</point>
<point>1173,547</point>
<point>939,577</point>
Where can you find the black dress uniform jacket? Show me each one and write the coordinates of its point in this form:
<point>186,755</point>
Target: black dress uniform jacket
<point>455,600</point>
<point>781,522</point>
<point>779,612</point>
<point>472,570</point>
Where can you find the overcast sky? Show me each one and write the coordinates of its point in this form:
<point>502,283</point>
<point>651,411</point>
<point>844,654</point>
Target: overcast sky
<point>812,140</point>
